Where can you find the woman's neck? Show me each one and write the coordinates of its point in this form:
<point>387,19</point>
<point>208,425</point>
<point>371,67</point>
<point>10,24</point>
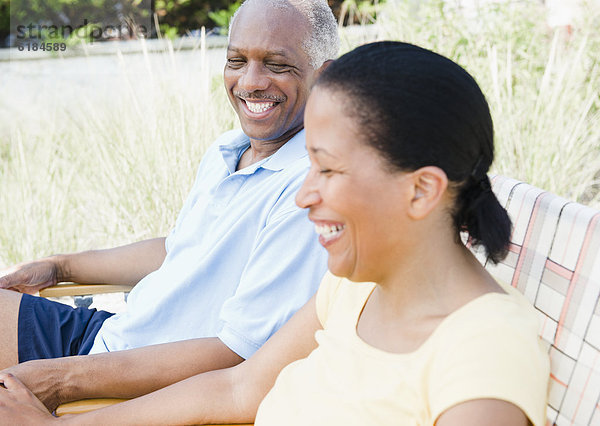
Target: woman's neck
<point>425,286</point>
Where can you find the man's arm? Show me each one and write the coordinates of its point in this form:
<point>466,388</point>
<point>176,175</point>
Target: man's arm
<point>228,395</point>
<point>123,374</point>
<point>124,265</point>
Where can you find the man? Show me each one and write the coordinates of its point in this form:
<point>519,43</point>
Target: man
<point>239,261</point>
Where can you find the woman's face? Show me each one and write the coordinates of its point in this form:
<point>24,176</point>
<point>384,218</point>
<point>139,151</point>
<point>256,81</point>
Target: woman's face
<point>355,200</point>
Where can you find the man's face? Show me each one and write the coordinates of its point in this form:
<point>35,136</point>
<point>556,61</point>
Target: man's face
<point>268,74</point>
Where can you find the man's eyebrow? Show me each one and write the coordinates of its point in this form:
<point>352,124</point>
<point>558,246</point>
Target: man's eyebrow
<point>268,53</point>
<point>283,53</point>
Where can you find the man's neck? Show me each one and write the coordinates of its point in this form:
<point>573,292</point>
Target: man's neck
<point>259,150</point>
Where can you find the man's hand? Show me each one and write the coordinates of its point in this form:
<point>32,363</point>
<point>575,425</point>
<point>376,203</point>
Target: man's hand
<point>31,277</point>
<point>19,406</point>
<point>140,371</point>
<point>43,378</point>
<point>124,265</point>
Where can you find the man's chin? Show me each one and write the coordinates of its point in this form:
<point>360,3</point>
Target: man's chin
<point>261,133</point>
<point>269,131</point>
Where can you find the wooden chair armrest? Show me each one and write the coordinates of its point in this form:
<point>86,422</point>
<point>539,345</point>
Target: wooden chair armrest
<point>85,405</point>
<point>72,289</point>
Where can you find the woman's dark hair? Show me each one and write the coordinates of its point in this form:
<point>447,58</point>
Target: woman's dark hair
<point>419,109</point>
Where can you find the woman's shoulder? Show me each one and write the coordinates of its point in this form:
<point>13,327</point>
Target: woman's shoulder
<point>507,311</point>
<point>490,348</point>
<point>491,327</point>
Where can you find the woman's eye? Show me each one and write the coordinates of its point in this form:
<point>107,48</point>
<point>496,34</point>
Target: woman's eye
<point>325,171</point>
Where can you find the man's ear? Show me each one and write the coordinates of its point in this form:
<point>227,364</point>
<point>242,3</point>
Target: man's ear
<point>428,186</point>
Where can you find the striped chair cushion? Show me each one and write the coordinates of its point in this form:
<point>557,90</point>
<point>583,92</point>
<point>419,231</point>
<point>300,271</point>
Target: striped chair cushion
<point>554,260</point>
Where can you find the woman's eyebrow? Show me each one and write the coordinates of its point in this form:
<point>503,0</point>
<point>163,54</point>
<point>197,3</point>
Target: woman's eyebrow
<point>321,151</point>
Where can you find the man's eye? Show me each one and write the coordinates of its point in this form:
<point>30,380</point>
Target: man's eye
<point>235,62</point>
<point>277,67</point>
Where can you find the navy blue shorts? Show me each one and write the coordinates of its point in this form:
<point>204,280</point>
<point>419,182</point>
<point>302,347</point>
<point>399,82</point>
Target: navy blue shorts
<point>50,329</point>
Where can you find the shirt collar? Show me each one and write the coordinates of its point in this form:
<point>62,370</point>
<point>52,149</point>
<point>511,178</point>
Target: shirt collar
<point>291,151</point>
<point>233,149</point>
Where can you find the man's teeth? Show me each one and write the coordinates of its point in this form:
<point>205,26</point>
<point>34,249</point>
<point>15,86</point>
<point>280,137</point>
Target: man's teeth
<point>329,231</point>
<point>258,107</point>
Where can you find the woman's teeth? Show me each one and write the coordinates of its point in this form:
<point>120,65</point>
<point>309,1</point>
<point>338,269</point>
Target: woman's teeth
<point>258,107</point>
<point>329,231</point>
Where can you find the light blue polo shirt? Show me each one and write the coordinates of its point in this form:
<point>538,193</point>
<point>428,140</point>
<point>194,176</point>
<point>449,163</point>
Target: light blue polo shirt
<point>240,261</point>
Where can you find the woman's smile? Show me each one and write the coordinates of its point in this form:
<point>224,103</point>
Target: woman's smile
<point>329,232</point>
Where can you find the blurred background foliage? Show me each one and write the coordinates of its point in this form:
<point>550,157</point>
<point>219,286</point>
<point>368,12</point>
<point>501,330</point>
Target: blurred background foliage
<point>71,13</point>
<point>101,150</point>
<point>175,17</point>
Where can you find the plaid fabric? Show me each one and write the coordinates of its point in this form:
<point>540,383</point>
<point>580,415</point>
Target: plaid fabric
<point>554,260</point>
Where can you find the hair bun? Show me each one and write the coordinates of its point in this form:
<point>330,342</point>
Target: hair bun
<point>481,215</point>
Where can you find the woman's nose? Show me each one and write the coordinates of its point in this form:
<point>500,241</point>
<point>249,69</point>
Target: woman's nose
<point>308,195</point>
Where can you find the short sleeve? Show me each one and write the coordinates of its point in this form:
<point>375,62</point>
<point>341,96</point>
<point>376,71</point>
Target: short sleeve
<point>283,272</point>
<point>502,358</point>
<point>326,295</point>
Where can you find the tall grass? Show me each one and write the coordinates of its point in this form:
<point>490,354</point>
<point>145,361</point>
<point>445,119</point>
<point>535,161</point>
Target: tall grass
<point>543,85</point>
<point>106,165</point>
<point>99,165</point>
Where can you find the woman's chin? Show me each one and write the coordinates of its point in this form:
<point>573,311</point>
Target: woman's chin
<point>340,268</point>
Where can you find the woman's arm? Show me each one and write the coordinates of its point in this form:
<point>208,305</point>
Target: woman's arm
<point>229,395</point>
<point>59,380</point>
<point>483,412</point>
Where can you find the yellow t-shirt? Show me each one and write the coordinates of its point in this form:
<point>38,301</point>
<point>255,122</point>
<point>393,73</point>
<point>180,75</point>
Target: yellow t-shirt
<point>488,348</point>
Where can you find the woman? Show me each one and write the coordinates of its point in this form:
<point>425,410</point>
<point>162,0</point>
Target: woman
<point>416,331</point>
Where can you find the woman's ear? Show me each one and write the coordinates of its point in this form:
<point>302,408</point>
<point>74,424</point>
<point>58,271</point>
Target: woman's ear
<point>428,186</point>
<point>320,70</point>
<point>324,66</point>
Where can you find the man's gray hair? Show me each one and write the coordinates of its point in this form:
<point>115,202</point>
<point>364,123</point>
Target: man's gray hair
<point>323,42</point>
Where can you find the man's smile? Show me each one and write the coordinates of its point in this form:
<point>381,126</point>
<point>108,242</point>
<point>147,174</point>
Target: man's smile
<point>258,107</point>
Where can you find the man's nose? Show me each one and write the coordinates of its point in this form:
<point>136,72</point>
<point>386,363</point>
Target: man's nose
<point>254,78</point>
